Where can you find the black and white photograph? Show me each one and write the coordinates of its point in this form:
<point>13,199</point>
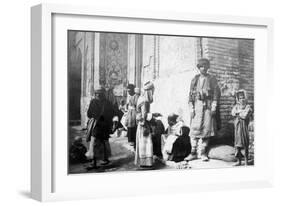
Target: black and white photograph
<point>142,102</point>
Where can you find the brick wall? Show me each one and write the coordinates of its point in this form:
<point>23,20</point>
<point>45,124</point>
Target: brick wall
<point>246,63</point>
<point>232,63</point>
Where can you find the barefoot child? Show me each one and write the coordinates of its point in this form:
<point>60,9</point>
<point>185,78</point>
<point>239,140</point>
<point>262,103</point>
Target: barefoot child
<point>241,113</point>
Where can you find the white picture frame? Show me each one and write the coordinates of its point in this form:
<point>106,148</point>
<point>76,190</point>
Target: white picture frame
<point>46,182</point>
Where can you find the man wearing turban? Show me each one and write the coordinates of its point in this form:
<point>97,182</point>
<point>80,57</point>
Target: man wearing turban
<point>131,114</point>
<point>203,100</point>
<point>100,113</point>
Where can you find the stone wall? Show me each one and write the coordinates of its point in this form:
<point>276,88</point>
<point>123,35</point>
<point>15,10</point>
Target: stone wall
<point>104,62</point>
<point>246,63</point>
<point>74,77</point>
<point>170,63</point>
<point>84,43</point>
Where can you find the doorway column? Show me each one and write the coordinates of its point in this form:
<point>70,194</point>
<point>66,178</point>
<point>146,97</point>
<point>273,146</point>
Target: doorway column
<point>87,86</point>
<point>97,60</point>
<point>139,64</point>
<point>131,58</point>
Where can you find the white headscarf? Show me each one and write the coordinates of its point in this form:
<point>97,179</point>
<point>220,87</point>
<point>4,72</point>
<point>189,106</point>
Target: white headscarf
<point>148,91</point>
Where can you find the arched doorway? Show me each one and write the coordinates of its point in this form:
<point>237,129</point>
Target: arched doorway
<point>74,80</point>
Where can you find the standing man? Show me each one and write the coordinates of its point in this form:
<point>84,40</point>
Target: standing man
<point>203,100</point>
<point>133,96</point>
<point>100,113</point>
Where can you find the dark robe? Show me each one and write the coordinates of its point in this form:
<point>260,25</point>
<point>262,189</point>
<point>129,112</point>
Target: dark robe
<point>101,111</point>
<point>181,149</point>
<point>157,129</point>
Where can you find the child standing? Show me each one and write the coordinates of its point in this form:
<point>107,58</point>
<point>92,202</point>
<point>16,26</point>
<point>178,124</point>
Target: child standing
<point>241,112</point>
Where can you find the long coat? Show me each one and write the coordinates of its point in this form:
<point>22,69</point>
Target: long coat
<point>202,97</point>
<point>144,145</point>
<point>241,122</point>
<point>101,111</point>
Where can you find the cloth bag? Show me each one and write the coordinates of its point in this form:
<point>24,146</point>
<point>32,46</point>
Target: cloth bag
<point>90,153</point>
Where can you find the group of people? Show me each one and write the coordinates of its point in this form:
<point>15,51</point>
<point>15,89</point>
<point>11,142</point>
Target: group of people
<point>204,97</point>
<point>146,133</point>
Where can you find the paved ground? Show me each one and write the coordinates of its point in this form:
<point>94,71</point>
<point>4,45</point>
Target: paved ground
<point>123,158</point>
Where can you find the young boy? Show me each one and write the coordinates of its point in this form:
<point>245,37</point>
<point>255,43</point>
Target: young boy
<point>241,113</point>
